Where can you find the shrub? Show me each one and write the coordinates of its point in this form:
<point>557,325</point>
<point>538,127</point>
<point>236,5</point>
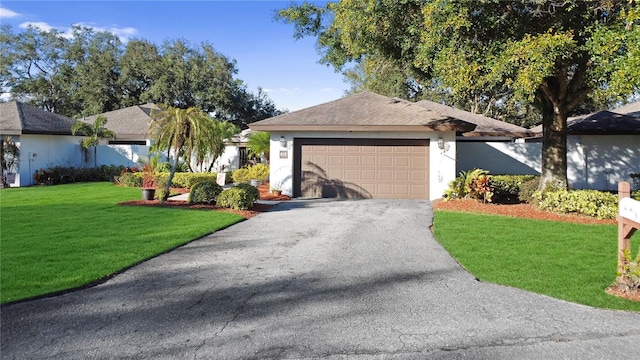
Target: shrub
<point>132,179</point>
<point>259,172</point>
<point>63,175</point>
<point>238,198</point>
<point>601,205</point>
<point>506,188</point>
<point>527,189</point>
<point>204,192</point>
<point>240,176</point>
<point>252,191</point>
<point>471,184</point>
<point>629,276</point>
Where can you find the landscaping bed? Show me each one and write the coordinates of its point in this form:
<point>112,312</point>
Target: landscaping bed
<point>265,194</point>
<point>515,210</point>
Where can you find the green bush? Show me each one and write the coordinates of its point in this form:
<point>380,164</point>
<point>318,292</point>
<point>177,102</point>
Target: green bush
<point>252,191</point>
<point>629,277</point>
<point>238,198</point>
<point>473,184</point>
<point>527,189</point>
<point>204,192</point>
<point>132,179</point>
<point>64,175</point>
<point>259,172</point>
<point>602,205</point>
<point>240,176</point>
<point>506,188</point>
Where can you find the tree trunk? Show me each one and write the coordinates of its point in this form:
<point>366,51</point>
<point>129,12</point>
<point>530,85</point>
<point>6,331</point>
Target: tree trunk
<point>554,147</point>
<point>167,186</point>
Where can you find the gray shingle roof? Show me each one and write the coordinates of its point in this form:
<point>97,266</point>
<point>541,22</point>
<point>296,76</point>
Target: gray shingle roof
<point>17,118</point>
<point>485,126</point>
<point>365,111</point>
<point>599,123</point>
<point>129,123</point>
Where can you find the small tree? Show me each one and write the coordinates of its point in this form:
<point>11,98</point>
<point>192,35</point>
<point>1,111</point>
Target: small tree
<point>184,132</point>
<point>93,132</point>
<point>259,144</point>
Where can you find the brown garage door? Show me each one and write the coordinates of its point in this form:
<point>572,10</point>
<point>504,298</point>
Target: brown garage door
<point>362,168</point>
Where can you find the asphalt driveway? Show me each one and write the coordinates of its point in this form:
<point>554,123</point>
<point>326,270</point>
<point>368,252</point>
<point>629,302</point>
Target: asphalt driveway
<point>313,279</point>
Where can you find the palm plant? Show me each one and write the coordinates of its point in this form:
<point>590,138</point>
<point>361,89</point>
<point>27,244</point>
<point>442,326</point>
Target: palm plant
<point>184,132</point>
<point>259,144</point>
<point>225,130</point>
<point>93,132</point>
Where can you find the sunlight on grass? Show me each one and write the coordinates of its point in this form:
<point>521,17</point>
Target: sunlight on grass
<point>568,261</point>
<point>60,237</point>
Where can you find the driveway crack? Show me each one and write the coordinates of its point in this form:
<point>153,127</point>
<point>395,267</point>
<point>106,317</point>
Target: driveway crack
<point>236,313</point>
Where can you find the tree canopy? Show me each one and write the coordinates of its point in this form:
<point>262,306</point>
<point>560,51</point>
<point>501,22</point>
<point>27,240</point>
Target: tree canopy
<point>555,56</point>
<point>92,72</point>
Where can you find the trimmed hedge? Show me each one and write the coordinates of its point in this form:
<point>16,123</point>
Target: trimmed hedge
<point>240,176</point>
<point>259,172</point>
<point>506,188</point>
<point>599,204</point>
<point>204,192</point>
<point>180,180</point>
<point>64,175</point>
<point>240,197</point>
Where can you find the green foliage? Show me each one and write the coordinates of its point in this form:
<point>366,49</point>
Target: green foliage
<point>187,180</point>
<point>239,197</point>
<point>130,179</point>
<point>252,191</point>
<point>629,275</point>
<point>473,184</point>
<point>635,181</point>
<point>601,205</point>
<point>93,132</point>
<point>506,188</point>
<point>259,143</point>
<point>259,172</point>
<point>240,175</point>
<point>204,192</point>
<point>64,175</point>
<point>9,154</point>
<point>527,189</point>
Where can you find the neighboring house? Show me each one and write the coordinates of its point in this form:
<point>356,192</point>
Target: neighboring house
<point>236,154</point>
<point>44,139</point>
<point>131,144</point>
<point>603,148</point>
<point>370,146</point>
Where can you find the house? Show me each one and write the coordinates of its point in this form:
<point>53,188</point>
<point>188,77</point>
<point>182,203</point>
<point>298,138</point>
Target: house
<point>44,139</point>
<point>236,155</point>
<point>370,146</point>
<point>603,148</point>
<point>131,126</point>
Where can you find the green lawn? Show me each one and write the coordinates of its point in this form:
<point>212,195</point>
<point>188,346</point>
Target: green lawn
<point>567,261</point>
<point>61,237</point>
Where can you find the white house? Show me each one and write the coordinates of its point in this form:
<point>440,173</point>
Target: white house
<point>371,146</point>
<point>45,139</point>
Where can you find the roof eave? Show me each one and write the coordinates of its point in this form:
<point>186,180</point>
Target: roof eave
<point>362,128</point>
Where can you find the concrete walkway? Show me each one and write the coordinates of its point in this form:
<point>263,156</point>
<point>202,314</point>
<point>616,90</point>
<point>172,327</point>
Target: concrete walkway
<point>313,279</point>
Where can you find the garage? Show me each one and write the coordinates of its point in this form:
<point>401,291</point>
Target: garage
<point>365,146</point>
<point>362,168</point>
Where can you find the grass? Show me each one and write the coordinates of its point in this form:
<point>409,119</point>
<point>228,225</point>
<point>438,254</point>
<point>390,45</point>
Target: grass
<point>61,237</point>
<point>567,261</point>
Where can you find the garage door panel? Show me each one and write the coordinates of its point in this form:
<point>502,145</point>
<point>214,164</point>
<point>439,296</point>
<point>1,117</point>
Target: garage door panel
<point>354,169</point>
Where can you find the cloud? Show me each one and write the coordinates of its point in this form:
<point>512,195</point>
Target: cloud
<point>124,34</point>
<point>42,26</point>
<point>290,90</point>
<point>327,89</point>
<point>6,13</point>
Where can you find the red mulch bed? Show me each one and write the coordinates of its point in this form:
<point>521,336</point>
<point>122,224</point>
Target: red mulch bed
<point>515,210</point>
<point>529,212</point>
<point>265,194</point>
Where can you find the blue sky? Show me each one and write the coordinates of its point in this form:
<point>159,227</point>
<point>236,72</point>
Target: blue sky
<point>267,55</point>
